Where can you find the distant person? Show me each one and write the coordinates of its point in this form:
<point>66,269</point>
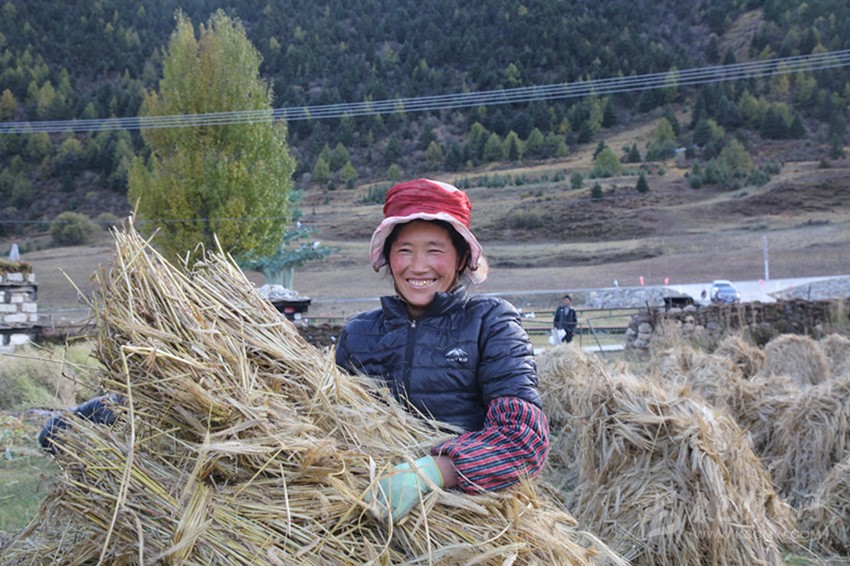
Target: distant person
<point>566,319</point>
<point>703,295</point>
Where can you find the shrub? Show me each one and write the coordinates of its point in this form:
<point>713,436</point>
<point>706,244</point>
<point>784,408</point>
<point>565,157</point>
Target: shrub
<point>106,220</point>
<point>72,229</point>
<point>695,180</point>
<point>576,180</point>
<point>773,167</point>
<point>596,191</point>
<point>376,194</point>
<point>524,220</point>
<point>758,177</point>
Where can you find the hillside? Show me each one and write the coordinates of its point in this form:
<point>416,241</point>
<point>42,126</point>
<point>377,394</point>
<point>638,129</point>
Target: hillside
<point>674,231</point>
<point>729,164</point>
<point>96,59</point>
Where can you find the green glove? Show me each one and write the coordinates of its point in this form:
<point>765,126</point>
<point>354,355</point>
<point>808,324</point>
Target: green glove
<point>400,490</point>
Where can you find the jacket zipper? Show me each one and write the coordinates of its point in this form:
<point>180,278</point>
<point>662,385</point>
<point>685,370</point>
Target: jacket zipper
<point>411,337</point>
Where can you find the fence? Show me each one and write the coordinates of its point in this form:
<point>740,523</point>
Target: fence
<point>605,325</point>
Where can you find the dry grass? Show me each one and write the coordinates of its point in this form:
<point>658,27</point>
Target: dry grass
<point>241,443</point>
<point>745,355</point>
<point>665,479</point>
<point>47,377</point>
<point>827,518</point>
<point>836,348</point>
<point>811,435</point>
<point>797,356</point>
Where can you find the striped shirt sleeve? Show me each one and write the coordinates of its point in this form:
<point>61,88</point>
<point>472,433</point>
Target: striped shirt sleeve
<point>512,445</point>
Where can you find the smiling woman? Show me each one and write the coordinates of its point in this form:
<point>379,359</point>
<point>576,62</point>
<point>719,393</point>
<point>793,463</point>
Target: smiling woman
<point>463,360</point>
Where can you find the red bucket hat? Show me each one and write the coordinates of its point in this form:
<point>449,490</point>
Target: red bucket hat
<point>424,199</point>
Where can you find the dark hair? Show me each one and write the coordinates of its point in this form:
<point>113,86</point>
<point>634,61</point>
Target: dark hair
<point>459,243</point>
<point>568,297</point>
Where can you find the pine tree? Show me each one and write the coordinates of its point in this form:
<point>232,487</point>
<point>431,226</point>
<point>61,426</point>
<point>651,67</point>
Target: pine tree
<point>642,186</point>
<point>596,192</point>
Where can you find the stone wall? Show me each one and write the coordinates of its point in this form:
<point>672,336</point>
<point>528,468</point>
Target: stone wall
<point>761,321</point>
<point>18,309</point>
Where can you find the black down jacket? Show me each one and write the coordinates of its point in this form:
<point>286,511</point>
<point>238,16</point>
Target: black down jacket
<point>462,353</point>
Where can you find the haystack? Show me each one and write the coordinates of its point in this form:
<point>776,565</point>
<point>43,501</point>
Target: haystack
<point>811,436</point>
<point>240,443</point>
<point>666,480</point>
<point>747,357</point>
<point>758,407</point>
<point>713,379</point>
<point>564,372</point>
<point>796,356</point>
<point>826,521</point>
<point>836,348</point>
<point>673,363</point>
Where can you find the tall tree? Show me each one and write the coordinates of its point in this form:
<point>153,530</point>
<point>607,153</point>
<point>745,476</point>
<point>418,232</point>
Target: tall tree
<point>230,181</point>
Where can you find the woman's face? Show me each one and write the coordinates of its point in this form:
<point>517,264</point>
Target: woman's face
<point>423,262</point>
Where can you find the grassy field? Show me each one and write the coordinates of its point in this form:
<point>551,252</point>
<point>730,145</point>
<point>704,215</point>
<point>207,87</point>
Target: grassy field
<point>23,483</point>
<point>25,470</point>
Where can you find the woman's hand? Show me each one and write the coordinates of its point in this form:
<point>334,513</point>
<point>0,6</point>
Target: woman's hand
<point>399,490</point>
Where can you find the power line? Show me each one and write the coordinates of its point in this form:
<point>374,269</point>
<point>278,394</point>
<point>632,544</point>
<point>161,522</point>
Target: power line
<point>688,77</point>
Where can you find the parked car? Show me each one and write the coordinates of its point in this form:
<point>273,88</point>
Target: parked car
<point>722,291</point>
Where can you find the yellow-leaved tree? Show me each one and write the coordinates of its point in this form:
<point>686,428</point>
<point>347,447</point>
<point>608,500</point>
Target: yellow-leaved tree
<point>231,180</point>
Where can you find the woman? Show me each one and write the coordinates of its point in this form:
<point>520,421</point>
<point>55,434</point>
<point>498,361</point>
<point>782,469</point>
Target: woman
<point>462,359</point>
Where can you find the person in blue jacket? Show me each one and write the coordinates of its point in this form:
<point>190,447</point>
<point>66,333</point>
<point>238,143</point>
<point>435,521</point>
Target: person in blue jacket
<point>459,358</point>
<point>96,410</point>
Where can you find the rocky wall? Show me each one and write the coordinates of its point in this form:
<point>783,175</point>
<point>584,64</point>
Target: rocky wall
<point>18,307</point>
<point>761,321</point>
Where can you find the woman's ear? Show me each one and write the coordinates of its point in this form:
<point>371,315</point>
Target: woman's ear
<point>462,262</point>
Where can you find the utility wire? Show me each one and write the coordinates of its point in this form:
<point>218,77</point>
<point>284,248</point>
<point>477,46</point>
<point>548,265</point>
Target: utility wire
<point>673,78</point>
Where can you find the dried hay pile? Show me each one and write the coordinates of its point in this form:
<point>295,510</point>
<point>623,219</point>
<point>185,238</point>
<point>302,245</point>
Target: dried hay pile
<point>242,444</point>
<point>811,436</point>
<point>664,479</point>
<point>827,519</point>
<point>747,357</point>
<point>711,378</point>
<point>671,364</point>
<point>760,404</point>
<point>836,348</point>
<point>562,371</point>
<point>799,357</point>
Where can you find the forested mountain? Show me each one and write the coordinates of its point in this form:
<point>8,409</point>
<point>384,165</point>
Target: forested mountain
<point>96,58</point>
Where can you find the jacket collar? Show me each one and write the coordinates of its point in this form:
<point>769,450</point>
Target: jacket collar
<point>394,307</point>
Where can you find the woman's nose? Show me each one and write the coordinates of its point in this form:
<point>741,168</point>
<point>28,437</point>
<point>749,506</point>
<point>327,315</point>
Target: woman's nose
<point>420,262</point>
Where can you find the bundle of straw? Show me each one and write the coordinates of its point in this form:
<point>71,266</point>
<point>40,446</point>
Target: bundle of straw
<point>564,372</point>
<point>812,436</point>
<point>746,356</point>
<point>241,443</point>
<point>836,348</point>
<point>665,479</point>
<point>713,379</point>
<point>760,404</point>
<point>797,356</point>
<point>827,519</point>
<point>672,365</point>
